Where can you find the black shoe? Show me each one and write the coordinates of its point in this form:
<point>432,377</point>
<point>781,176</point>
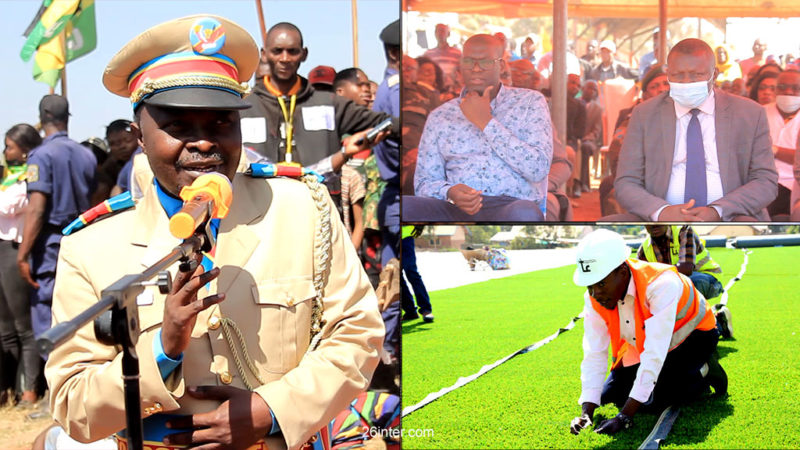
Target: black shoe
<point>723,315</point>
<point>427,317</point>
<point>407,317</point>
<point>716,376</point>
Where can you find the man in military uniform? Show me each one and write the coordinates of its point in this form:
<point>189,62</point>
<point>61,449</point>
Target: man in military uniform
<point>266,347</point>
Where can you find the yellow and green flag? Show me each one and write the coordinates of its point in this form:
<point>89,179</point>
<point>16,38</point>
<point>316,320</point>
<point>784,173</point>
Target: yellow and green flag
<point>56,21</point>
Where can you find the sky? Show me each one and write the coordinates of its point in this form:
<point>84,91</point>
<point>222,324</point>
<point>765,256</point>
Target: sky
<point>326,27</point>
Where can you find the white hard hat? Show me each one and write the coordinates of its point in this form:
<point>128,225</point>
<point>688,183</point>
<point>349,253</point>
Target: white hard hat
<point>599,253</point>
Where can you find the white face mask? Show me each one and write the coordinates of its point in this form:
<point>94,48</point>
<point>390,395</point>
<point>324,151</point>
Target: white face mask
<point>689,95</point>
<point>788,103</point>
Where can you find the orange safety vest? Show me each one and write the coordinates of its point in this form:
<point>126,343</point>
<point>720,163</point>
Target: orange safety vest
<point>694,312</point>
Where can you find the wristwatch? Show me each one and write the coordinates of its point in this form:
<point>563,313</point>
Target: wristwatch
<point>627,422</point>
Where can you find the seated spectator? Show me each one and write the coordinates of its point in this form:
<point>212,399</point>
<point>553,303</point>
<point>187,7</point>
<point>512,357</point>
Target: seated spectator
<point>446,57</point>
<point>728,70</point>
<point>784,127</point>
<point>431,79</point>
<point>576,126</point>
<point>738,87</point>
<point>524,75</point>
<point>763,88</point>
<point>701,183</point>
<point>484,156</point>
<point>558,205</point>
<point>593,134</point>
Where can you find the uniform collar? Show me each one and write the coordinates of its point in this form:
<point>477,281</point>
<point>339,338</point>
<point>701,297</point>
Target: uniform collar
<point>55,135</point>
<point>172,205</point>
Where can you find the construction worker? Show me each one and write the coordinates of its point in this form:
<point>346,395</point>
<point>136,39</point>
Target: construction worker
<point>679,246</point>
<point>660,329</point>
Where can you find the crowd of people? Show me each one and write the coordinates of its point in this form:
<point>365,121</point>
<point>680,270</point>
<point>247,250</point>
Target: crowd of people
<point>600,113</point>
<point>319,122</point>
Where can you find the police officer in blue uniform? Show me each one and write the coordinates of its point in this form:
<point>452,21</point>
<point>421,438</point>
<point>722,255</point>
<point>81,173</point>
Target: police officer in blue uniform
<point>61,178</point>
<point>387,155</point>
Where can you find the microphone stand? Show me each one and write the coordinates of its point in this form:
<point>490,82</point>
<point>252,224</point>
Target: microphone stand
<point>116,317</point>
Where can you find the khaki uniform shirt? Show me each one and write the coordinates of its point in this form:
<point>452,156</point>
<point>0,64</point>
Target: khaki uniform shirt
<point>266,248</point>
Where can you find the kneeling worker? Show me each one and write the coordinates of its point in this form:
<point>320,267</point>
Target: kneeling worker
<point>274,333</point>
<point>660,329</point>
<point>680,246</point>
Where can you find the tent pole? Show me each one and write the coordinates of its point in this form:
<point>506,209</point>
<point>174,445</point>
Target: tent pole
<point>558,78</point>
<point>662,35</point>
<point>354,13</point>
<point>64,69</point>
<point>262,25</point>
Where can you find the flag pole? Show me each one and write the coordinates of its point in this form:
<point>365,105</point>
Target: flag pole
<point>64,69</point>
<point>354,12</point>
<point>260,10</point>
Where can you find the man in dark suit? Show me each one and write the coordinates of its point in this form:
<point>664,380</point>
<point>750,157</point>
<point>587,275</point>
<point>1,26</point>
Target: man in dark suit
<point>696,154</point>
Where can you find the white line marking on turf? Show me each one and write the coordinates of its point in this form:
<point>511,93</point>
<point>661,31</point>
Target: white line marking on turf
<point>724,298</point>
<point>464,380</point>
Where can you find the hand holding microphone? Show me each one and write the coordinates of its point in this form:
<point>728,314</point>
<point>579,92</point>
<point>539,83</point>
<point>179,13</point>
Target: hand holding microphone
<point>208,197</point>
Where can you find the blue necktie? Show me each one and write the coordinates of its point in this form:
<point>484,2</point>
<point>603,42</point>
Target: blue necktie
<point>695,163</point>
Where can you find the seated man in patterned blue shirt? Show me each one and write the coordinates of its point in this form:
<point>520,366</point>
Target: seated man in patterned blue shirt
<point>483,156</point>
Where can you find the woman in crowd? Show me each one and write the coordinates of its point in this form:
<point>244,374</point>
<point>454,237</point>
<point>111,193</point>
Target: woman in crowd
<point>16,332</point>
<point>763,88</point>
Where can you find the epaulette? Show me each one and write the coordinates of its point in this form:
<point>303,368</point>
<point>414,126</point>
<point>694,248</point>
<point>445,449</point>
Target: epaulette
<point>393,80</point>
<point>257,170</point>
<point>115,204</point>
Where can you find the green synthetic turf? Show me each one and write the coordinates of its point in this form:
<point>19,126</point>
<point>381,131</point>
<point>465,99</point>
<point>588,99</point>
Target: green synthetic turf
<point>529,401</point>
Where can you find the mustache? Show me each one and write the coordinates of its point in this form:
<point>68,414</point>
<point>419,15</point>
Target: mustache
<point>214,157</point>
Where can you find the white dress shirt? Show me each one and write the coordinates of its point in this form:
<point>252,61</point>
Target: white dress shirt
<point>662,301</point>
<point>677,181</point>
<point>784,135</point>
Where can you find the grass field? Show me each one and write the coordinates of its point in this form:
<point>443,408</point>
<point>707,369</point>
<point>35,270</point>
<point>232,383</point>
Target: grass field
<point>529,401</point>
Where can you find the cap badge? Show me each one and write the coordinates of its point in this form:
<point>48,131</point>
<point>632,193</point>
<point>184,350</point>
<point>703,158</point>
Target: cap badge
<point>207,36</point>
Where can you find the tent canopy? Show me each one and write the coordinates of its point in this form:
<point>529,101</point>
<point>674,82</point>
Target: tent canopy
<point>614,8</point>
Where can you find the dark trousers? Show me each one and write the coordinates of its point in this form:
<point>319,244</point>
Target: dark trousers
<point>709,286</point>
<point>411,272</point>
<point>680,380</point>
<point>16,331</point>
<point>494,209</point>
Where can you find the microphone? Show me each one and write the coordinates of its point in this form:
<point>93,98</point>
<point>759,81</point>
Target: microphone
<point>208,197</point>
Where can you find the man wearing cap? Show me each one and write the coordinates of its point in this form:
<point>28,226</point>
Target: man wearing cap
<point>322,78</point>
<point>484,156</point>
<point>609,67</point>
<point>289,120</point>
<point>265,347</point>
<point>61,179</point>
<point>660,329</point>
